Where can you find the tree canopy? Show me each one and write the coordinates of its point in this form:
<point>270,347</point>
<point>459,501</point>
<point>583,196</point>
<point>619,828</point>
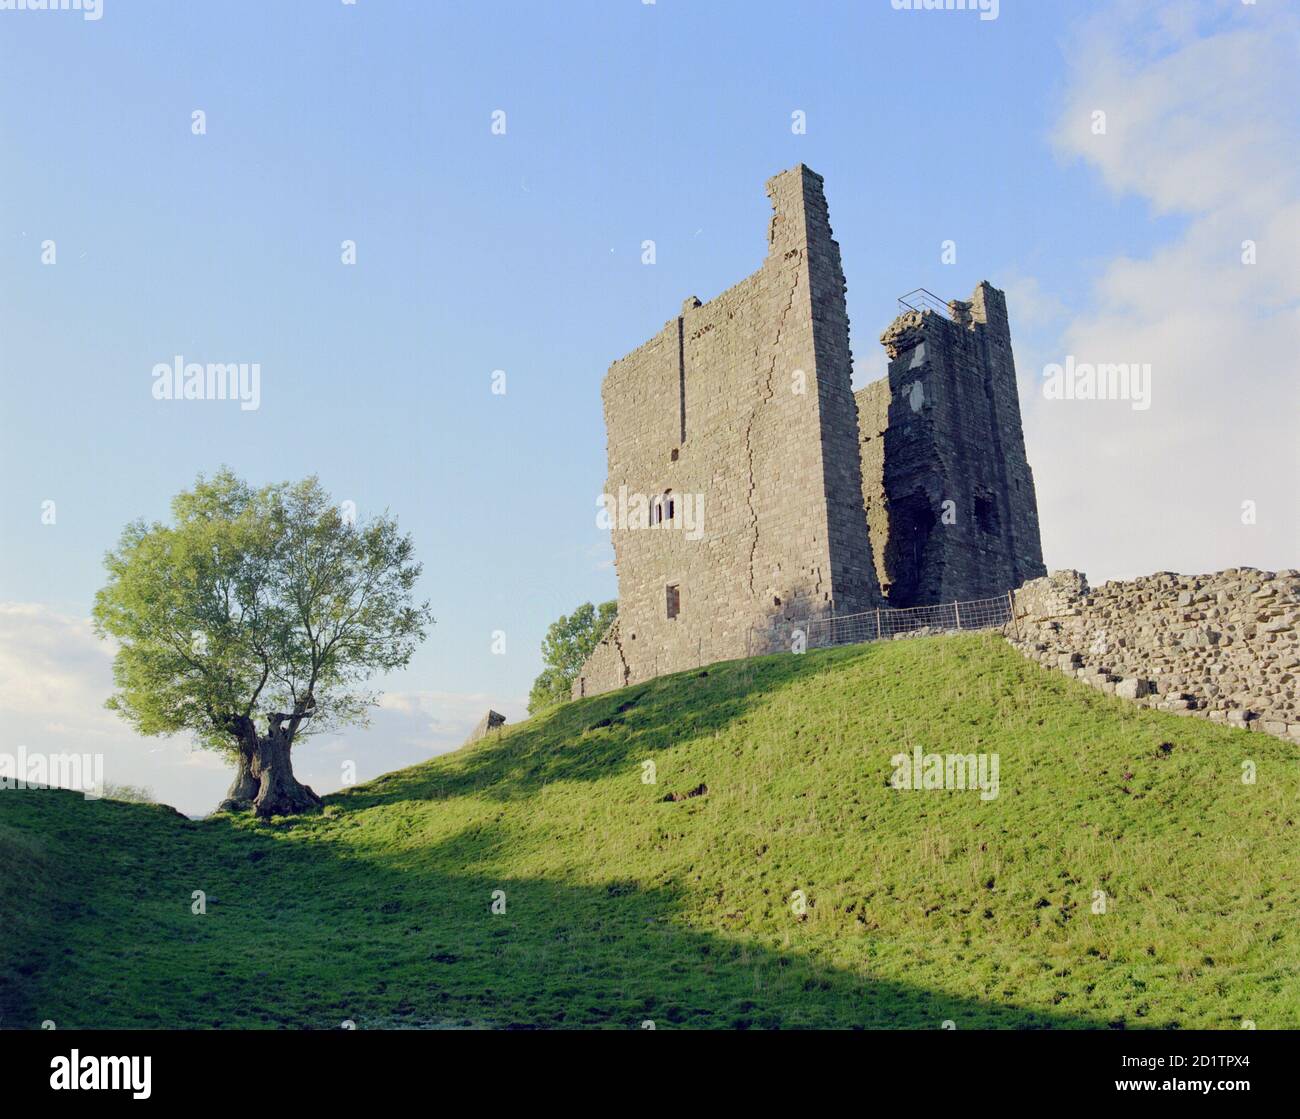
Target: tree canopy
<point>568,643</point>
<point>257,606</point>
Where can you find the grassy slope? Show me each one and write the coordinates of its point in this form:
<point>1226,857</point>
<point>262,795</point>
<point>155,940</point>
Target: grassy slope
<point>924,906</point>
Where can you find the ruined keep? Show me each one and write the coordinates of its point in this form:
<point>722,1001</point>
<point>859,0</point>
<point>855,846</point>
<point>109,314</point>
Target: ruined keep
<point>748,484</point>
<point>948,490</point>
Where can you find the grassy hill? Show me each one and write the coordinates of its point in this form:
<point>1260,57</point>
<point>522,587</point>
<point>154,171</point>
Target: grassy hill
<point>623,906</point>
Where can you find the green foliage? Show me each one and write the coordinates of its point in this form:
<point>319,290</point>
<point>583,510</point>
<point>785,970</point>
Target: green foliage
<point>565,649</point>
<point>130,794</point>
<point>623,906</point>
<point>550,688</point>
<point>253,603</point>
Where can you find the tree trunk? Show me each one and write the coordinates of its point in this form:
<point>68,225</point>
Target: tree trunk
<point>246,783</point>
<point>245,786</point>
<point>279,792</point>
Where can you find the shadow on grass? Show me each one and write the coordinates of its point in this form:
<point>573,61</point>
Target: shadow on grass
<point>301,934</point>
<point>589,738</point>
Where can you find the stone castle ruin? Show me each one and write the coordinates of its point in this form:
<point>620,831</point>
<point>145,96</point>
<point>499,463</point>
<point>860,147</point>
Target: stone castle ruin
<point>1224,646</point>
<point>750,486</point>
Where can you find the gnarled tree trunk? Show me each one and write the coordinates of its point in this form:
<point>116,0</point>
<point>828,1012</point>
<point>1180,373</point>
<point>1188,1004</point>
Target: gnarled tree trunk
<point>279,792</point>
<point>246,783</point>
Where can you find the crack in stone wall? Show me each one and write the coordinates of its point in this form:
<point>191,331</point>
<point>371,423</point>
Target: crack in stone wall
<point>765,399</point>
<point>801,485</point>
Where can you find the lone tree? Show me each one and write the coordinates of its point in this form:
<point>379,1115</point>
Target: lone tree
<point>568,643</point>
<point>254,620</point>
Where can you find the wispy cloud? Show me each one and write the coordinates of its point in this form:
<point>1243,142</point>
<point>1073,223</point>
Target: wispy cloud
<point>55,675</point>
<point>1201,107</point>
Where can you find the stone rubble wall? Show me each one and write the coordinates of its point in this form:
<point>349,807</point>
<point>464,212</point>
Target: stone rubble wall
<point>606,669</point>
<point>492,722</point>
<point>1221,646</point>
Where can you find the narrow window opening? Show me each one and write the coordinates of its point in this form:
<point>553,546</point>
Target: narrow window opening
<point>674,600</point>
<point>986,514</point>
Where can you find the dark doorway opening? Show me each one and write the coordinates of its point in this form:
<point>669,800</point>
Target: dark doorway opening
<point>911,521</point>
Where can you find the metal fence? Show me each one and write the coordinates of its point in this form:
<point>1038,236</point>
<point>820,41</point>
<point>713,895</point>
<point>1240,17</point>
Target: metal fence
<point>919,299</point>
<point>884,624</point>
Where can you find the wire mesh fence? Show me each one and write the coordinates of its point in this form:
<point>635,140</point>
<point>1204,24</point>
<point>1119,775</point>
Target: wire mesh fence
<point>885,624</point>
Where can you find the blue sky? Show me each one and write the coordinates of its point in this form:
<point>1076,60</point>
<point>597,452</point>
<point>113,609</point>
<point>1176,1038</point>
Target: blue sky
<point>521,252</point>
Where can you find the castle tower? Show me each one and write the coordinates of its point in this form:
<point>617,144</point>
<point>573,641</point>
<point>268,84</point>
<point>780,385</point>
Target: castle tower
<point>748,485</point>
<point>735,430</point>
<point>946,483</point>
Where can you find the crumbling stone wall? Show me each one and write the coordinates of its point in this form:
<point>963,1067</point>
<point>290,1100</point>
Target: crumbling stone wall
<point>743,404</point>
<point>1222,646</point>
<point>606,669</point>
<point>873,421</point>
<point>741,411</point>
<point>947,486</point>
<point>492,722</point>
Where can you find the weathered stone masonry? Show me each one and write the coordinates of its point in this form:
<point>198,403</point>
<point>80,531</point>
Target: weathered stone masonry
<point>1221,646</point>
<point>745,404</point>
<point>948,490</point>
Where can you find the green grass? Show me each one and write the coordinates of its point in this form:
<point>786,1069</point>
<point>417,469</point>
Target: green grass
<point>622,907</point>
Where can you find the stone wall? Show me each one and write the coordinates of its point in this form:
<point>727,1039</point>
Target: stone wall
<point>873,421</point>
<point>492,722</point>
<point>1223,646</point>
<point>742,476</point>
<point>948,490</point>
<point>737,420</point>
<point>606,669</point>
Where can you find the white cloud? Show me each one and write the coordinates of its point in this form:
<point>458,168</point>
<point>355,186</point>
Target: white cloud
<point>868,366</point>
<point>55,675</point>
<point>49,665</point>
<point>1035,308</point>
<point>440,721</point>
<point>1202,109</point>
